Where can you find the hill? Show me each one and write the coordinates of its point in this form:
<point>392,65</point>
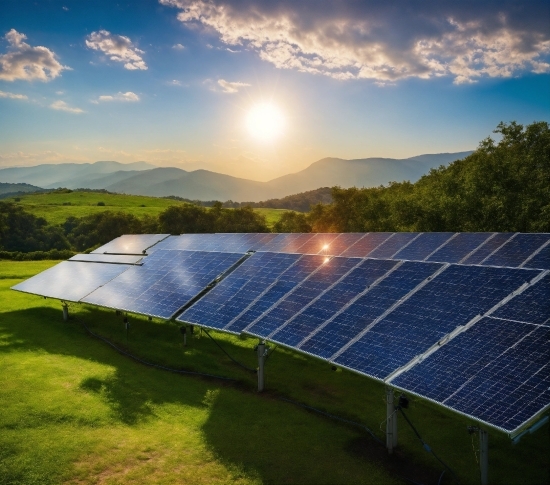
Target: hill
<point>9,190</point>
<point>141,178</point>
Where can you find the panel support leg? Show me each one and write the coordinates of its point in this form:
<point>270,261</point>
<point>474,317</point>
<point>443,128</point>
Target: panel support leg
<point>391,421</point>
<point>484,456</point>
<point>65,312</point>
<point>261,360</point>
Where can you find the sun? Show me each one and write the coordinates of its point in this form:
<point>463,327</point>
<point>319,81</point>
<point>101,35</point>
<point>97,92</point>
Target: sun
<point>265,122</point>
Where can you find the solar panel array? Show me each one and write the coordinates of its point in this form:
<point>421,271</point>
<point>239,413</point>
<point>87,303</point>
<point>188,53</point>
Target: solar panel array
<point>462,319</point>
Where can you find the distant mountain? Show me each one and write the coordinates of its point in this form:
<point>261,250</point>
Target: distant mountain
<point>9,190</point>
<point>141,178</point>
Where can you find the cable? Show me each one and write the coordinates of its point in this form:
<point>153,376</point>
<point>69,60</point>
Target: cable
<point>150,364</point>
<point>332,416</point>
<point>223,350</point>
<point>426,446</point>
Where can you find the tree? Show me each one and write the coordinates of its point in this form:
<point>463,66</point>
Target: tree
<point>292,222</point>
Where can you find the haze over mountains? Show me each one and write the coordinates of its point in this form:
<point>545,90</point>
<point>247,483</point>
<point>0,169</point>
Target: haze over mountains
<point>142,178</point>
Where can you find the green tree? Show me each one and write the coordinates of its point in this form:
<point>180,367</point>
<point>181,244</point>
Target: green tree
<point>292,222</point>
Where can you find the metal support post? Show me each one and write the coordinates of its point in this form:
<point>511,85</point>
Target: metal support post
<point>65,312</point>
<point>484,456</point>
<point>261,360</point>
<point>391,421</point>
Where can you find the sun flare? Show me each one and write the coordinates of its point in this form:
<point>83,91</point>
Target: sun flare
<point>265,121</point>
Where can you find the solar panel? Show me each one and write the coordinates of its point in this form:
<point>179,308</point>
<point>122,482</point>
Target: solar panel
<point>539,260</point>
<point>459,247</point>
<point>289,279</point>
<point>532,305</point>
<point>336,297</point>
<point>343,242</point>
<point>71,280</point>
<point>490,245</point>
<point>392,245</point>
<point>318,244</point>
<point>107,258</point>
<point>424,245</point>
<point>320,280</point>
<point>366,244</point>
<point>516,250</point>
<point>367,308</point>
<point>497,371</point>
<point>293,242</point>
<point>451,299</point>
<point>235,293</point>
<point>131,244</point>
<point>167,280</point>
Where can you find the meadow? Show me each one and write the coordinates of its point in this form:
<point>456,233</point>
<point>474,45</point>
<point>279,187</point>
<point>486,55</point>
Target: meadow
<point>56,207</point>
<point>75,411</point>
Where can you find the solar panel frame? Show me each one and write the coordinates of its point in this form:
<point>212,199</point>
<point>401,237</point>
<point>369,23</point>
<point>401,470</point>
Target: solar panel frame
<point>517,250</point>
<point>107,258</point>
<point>540,259</point>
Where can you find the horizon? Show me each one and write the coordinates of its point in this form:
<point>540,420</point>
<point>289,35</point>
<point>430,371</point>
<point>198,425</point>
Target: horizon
<point>258,90</point>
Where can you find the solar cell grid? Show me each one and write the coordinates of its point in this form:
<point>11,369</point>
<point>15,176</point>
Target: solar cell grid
<point>532,305</point>
<point>333,300</point>
<point>343,242</point>
<point>167,280</point>
<point>236,292</point>
<point>71,280</point>
<point>326,274</point>
<point>294,241</point>
<point>392,245</point>
<point>451,299</point>
<point>540,260</point>
<point>294,275</point>
<point>424,245</point>
<point>274,245</point>
<point>366,244</point>
<point>490,245</point>
<point>516,250</point>
<point>318,244</point>
<point>363,311</point>
<point>459,247</point>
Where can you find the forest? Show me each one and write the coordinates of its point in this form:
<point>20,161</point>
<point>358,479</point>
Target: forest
<point>503,186</point>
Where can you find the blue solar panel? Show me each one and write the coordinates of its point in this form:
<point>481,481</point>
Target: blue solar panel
<point>355,282</point>
<point>362,312</point>
<point>488,247</point>
<point>423,246</point>
<point>516,250</point>
<point>343,242</point>
<point>394,244</point>
<point>167,280</point>
<point>366,244</point>
<point>236,292</point>
<point>130,244</point>
<point>497,371</point>
<point>451,299</point>
<point>71,280</point>
<point>288,280</point>
<point>318,244</point>
<point>459,247</point>
<point>296,300</point>
<point>532,305</point>
<point>541,260</point>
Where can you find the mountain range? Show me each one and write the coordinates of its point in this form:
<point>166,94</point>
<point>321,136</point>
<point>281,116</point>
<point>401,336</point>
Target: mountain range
<point>142,178</point>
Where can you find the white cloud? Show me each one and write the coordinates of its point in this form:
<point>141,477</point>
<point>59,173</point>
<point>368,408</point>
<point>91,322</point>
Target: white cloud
<point>4,94</point>
<point>28,63</point>
<point>127,96</point>
<point>118,48</point>
<point>178,47</point>
<point>65,8</point>
<point>382,41</point>
<point>231,87</point>
<point>62,106</point>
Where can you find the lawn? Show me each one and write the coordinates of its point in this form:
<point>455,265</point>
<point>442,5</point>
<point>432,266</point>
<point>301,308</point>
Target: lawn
<point>57,207</point>
<point>75,411</point>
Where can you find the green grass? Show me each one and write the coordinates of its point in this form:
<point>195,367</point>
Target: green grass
<point>75,411</point>
<point>57,207</point>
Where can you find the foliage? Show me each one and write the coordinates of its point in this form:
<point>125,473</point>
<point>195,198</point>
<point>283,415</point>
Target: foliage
<point>52,254</point>
<point>301,202</point>
<point>502,186</point>
<point>292,222</point>
<point>21,231</point>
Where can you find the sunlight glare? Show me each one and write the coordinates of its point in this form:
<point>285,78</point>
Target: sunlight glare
<point>265,122</point>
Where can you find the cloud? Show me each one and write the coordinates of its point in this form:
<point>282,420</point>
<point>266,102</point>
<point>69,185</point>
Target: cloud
<point>28,63</point>
<point>178,47</point>
<point>65,8</point>
<point>231,87</point>
<point>62,106</point>
<point>383,41</point>
<point>127,96</point>
<point>4,94</point>
<point>118,48</point>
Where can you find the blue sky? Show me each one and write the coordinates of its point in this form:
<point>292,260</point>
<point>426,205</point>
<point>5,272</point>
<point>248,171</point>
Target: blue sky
<point>172,82</point>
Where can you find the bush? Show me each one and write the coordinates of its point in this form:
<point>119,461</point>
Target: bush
<point>36,255</point>
<point>101,203</point>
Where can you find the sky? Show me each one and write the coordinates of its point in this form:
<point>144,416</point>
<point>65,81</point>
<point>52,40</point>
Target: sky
<point>259,89</point>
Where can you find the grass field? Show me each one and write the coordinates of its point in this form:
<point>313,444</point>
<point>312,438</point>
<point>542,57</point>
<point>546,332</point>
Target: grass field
<point>56,207</point>
<point>75,411</point>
